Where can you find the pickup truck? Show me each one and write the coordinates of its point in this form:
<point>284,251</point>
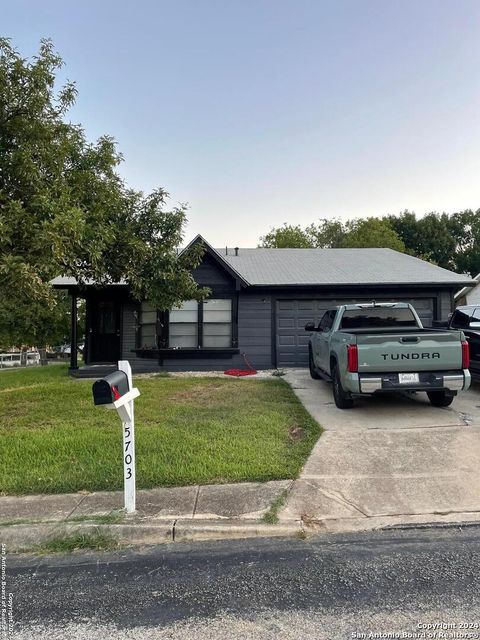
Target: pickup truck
<point>467,319</point>
<point>380,347</point>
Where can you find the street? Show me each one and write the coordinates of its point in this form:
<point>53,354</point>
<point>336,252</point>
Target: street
<point>325,587</point>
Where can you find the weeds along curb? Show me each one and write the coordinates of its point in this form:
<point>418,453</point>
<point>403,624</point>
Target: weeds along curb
<point>67,537</point>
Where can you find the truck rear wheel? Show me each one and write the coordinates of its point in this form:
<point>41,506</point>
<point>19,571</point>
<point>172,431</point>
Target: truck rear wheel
<point>343,399</point>
<point>311,366</point>
<point>440,398</point>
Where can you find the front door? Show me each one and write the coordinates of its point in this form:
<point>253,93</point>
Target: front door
<point>104,331</point>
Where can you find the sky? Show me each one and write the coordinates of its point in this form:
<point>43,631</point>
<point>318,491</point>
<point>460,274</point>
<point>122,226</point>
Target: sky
<point>260,112</point>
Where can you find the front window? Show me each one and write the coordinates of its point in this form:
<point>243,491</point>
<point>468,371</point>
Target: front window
<point>191,325</point>
<point>206,324</point>
<point>183,327</point>
<point>148,324</point>
<point>217,323</point>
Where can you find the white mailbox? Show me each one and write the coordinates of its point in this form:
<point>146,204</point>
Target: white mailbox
<point>115,391</point>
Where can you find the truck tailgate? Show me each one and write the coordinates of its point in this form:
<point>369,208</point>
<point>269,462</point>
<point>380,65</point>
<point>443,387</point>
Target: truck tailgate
<point>417,351</point>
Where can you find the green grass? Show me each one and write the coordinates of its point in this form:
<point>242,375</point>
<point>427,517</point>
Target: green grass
<point>67,543</point>
<point>271,516</point>
<point>188,431</point>
<point>114,517</point>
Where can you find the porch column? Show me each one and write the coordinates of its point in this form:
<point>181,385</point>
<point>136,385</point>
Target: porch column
<point>73,333</point>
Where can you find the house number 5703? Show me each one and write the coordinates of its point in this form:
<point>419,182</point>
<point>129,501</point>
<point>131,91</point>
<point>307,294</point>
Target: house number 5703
<point>128,458</point>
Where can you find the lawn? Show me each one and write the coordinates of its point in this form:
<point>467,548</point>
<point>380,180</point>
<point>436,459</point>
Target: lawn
<point>188,431</point>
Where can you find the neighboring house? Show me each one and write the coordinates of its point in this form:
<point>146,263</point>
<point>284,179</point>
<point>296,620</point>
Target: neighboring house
<point>260,301</point>
<point>469,295</point>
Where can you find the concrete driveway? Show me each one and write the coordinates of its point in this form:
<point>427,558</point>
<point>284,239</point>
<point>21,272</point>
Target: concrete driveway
<point>389,460</point>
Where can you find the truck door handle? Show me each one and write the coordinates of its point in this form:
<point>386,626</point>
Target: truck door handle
<point>407,339</point>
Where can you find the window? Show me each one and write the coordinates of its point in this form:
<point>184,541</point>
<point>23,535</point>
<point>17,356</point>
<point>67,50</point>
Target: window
<point>326,322</point>
<point>183,328</point>
<point>475,319</point>
<point>378,317</point>
<point>148,326</point>
<point>217,323</point>
<point>192,325</point>
<point>465,318</point>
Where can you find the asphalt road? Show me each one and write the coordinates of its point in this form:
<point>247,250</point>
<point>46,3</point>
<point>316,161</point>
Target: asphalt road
<point>322,588</point>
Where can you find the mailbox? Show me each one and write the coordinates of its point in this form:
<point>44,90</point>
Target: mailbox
<point>110,388</point>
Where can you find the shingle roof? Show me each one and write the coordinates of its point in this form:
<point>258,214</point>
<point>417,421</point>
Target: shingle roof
<point>336,266</point>
<point>325,267</point>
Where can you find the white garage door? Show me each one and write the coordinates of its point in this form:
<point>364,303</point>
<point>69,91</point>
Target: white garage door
<point>293,315</point>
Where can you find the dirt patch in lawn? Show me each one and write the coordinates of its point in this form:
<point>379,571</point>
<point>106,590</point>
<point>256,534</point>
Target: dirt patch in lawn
<point>200,395</point>
<point>296,433</point>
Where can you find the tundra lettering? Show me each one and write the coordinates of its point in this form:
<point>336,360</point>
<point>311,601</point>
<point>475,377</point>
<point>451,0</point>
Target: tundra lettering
<point>410,356</point>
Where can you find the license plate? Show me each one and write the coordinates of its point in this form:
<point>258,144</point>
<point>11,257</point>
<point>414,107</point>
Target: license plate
<point>408,378</point>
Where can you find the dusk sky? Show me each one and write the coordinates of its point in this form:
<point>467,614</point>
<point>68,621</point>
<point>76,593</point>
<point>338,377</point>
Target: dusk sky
<point>259,112</point>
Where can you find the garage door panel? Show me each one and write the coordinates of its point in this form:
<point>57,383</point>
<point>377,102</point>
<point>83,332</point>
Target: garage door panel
<point>286,323</point>
<point>306,305</point>
<point>301,322</point>
<point>286,305</point>
<point>293,315</point>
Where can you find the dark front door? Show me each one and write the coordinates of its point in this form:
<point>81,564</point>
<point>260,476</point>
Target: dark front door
<point>104,331</point>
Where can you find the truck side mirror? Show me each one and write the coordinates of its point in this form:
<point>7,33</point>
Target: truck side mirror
<point>110,388</point>
<point>310,326</point>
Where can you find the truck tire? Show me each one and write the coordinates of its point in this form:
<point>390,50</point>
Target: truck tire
<point>440,398</point>
<point>343,399</point>
<point>311,366</point>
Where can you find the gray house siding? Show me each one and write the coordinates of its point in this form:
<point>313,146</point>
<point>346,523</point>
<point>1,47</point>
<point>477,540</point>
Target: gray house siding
<point>445,304</point>
<point>254,339</point>
<point>210,274</point>
<point>128,341</point>
<point>255,328</point>
<point>263,316</point>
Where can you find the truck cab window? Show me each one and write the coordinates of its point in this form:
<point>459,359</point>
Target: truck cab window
<point>326,322</point>
<point>378,317</point>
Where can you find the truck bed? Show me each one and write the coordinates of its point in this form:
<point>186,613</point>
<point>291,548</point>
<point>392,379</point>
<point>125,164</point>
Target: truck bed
<point>404,350</point>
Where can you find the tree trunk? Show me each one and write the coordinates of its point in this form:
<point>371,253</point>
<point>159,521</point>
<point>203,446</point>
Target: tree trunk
<point>23,357</point>
<point>43,356</point>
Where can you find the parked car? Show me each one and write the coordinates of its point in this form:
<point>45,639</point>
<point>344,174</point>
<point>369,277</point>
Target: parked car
<point>467,319</point>
<point>14,359</point>
<point>373,348</point>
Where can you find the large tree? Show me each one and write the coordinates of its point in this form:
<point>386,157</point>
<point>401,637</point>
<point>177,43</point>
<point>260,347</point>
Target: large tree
<point>464,228</point>
<point>371,232</point>
<point>428,237</point>
<point>65,210</point>
<point>324,234</point>
<point>287,236</point>
<point>450,241</point>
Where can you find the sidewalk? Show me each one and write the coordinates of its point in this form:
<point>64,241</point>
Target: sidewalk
<point>165,514</point>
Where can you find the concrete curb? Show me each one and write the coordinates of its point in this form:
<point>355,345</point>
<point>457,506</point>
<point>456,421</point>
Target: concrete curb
<point>189,529</point>
<point>391,522</point>
<point>27,537</point>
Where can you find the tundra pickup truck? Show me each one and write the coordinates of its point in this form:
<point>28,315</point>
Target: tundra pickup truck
<point>373,348</point>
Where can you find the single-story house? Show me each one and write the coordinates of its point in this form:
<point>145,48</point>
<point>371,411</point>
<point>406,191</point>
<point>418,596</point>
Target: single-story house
<point>260,301</point>
<point>469,295</point>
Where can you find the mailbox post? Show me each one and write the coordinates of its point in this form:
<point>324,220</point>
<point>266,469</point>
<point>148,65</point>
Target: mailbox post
<point>115,391</point>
